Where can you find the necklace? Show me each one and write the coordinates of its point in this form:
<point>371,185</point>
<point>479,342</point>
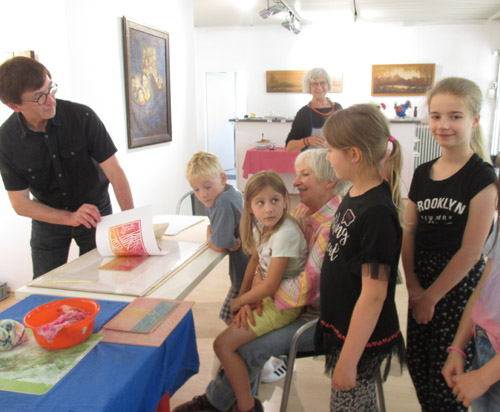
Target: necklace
<point>322,114</point>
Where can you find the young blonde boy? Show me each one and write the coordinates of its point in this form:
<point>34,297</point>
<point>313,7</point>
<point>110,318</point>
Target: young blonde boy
<point>224,205</point>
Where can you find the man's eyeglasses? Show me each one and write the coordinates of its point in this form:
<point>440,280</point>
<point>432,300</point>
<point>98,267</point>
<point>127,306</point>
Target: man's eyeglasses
<point>43,97</point>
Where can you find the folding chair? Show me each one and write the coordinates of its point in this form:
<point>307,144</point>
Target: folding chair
<point>293,354</point>
<point>197,208</point>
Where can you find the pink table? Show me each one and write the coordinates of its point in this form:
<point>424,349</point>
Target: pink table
<point>278,160</point>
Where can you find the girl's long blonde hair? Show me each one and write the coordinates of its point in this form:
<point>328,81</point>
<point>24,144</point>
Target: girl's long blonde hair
<point>471,94</point>
<point>365,127</point>
<point>256,184</point>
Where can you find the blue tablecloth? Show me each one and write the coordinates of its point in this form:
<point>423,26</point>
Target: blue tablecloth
<point>112,377</point>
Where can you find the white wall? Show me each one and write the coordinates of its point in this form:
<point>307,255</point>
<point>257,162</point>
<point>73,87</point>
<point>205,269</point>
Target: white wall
<point>457,50</point>
<point>81,44</point>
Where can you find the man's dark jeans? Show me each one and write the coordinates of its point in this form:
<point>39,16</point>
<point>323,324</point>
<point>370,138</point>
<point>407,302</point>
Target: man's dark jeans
<point>50,243</point>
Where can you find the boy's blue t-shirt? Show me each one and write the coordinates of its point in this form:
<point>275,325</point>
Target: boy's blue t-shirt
<point>224,218</point>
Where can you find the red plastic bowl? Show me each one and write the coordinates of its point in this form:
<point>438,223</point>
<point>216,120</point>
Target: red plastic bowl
<point>69,335</point>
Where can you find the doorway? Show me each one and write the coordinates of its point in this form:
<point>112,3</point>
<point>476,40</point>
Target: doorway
<point>221,106</point>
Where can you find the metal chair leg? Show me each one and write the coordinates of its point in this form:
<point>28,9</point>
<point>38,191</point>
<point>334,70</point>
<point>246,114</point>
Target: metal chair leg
<point>292,354</point>
<point>288,381</point>
<point>257,385</point>
<point>380,392</point>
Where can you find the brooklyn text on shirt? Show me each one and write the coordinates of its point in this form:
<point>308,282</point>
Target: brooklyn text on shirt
<point>443,203</point>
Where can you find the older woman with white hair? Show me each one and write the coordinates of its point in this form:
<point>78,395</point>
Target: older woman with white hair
<point>306,127</point>
<point>320,194</point>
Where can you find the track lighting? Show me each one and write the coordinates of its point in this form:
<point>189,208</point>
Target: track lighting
<point>292,24</point>
<point>272,10</point>
<point>292,21</point>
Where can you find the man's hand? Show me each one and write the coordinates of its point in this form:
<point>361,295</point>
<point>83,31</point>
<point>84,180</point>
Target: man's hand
<point>87,215</point>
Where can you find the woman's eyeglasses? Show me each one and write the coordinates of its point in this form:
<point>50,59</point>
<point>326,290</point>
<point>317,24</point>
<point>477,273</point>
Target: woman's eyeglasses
<point>316,84</point>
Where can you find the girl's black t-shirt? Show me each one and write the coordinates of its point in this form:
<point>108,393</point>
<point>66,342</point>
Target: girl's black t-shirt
<point>365,230</point>
<point>443,206</point>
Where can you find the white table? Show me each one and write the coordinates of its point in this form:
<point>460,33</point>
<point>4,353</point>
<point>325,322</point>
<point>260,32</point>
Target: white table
<point>176,286</point>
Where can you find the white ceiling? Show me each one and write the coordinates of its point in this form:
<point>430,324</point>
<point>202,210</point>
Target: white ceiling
<point>246,12</point>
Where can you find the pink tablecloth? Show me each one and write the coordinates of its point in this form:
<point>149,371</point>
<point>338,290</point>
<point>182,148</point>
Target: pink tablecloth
<point>278,160</point>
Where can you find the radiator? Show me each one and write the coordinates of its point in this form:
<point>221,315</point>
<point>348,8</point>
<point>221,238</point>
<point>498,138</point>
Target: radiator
<point>426,147</point>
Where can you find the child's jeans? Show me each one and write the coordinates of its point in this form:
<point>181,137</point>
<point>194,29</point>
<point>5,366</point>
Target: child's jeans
<point>490,401</point>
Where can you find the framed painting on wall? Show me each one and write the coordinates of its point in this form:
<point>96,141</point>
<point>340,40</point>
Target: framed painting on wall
<point>26,53</point>
<point>147,85</point>
<point>402,79</point>
<point>290,81</point>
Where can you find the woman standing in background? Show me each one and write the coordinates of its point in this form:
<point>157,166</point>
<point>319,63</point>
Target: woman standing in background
<point>306,127</point>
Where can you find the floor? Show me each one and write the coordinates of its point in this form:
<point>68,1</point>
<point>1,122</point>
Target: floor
<point>310,388</point>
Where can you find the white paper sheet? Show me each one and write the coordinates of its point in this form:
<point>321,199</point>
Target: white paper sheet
<point>128,233</point>
<point>177,223</point>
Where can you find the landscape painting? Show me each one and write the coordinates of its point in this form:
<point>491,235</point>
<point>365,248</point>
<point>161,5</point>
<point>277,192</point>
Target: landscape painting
<point>290,81</point>
<point>402,79</point>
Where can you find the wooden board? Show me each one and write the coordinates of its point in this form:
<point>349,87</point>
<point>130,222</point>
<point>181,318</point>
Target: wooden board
<point>158,335</point>
<point>142,315</point>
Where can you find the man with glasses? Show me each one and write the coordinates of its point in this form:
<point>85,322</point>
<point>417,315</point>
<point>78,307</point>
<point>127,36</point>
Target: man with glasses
<point>61,153</point>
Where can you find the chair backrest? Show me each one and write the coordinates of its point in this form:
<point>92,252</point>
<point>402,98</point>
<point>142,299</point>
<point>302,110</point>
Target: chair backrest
<point>197,208</point>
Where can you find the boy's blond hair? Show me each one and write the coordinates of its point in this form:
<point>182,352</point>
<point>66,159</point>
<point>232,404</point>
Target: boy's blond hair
<point>203,164</point>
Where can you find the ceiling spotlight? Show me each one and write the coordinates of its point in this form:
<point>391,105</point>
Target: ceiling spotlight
<point>272,10</point>
<point>292,24</point>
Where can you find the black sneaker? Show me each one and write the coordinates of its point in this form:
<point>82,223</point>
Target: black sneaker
<point>199,403</point>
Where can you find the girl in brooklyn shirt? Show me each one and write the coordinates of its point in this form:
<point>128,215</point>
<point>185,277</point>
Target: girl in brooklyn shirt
<point>447,220</point>
<point>358,326</point>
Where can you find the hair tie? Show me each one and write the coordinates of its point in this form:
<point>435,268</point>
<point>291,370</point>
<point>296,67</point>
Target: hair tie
<point>386,158</point>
